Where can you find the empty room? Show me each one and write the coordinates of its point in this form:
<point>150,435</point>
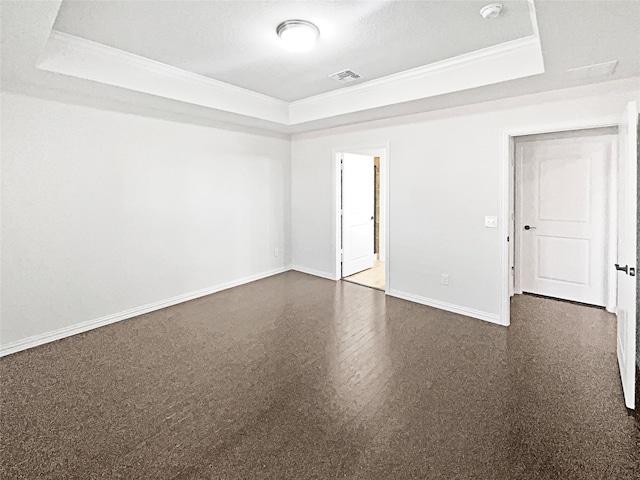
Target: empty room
<point>319,239</point>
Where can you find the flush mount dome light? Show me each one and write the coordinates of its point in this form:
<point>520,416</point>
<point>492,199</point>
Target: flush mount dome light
<point>298,35</point>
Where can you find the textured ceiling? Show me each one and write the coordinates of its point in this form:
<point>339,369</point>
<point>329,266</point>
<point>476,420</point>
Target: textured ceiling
<point>572,34</point>
<point>235,41</point>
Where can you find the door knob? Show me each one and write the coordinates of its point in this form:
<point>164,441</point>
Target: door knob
<point>371,217</point>
<point>527,227</point>
<point>621,269</point>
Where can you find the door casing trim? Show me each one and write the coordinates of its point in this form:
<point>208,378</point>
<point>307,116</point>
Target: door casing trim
<point>610,225</point>
<point>507,163</point>
<point>337,200</point>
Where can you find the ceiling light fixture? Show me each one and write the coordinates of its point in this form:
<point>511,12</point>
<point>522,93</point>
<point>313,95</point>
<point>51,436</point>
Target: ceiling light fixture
<point>298,35</point>
<point>491,10</point>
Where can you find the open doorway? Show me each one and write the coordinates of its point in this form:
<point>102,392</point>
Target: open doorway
<point>362,217</point>
<point>562,209</point>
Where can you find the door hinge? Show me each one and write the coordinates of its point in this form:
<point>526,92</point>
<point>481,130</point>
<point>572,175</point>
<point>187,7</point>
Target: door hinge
<point>341,255</point>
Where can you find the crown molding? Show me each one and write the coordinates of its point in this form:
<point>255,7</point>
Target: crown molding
<point>73,56</point>
<point>425,70</point>
<point>506,61</point>
<point>78,57</point>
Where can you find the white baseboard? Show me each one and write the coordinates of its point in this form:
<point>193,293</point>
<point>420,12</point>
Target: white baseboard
<point>43,338</point>
<point>467,312</point>
<point>311,271</point>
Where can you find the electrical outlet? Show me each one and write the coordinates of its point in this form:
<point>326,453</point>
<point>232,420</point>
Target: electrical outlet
<point>444,279</point>
<point>491,222</point>
<point>276,252</point>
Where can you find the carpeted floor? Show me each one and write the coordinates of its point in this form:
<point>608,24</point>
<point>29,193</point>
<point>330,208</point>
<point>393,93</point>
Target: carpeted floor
<point>296,377</point>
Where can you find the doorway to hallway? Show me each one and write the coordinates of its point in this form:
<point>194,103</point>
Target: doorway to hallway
<point>362,217</point>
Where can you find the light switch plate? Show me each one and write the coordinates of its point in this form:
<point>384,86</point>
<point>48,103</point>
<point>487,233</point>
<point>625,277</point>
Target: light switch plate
<point>491,222</point>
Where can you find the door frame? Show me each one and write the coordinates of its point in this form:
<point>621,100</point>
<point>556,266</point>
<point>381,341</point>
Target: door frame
<point>337,202</point>
<point>610,211</point>
<point>507,200</point>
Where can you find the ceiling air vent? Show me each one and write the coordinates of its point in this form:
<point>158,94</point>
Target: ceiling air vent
<point>345,76</point>
<point>593,71</point>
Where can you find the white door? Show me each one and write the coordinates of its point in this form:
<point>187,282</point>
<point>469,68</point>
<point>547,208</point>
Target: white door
<point>627,254</point>
<point>358,207</point>
<point>562,219</point>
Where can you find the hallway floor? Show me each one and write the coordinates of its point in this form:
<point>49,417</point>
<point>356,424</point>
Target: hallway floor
<point>296,377</point>
<point>372,277</point>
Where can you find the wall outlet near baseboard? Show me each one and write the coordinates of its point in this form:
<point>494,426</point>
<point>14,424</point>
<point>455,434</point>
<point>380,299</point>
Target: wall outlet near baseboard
<point>491,222</point>
<point>444,279</point>
<point>276,252</point>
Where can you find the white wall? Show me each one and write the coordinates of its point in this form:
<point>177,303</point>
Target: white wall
<point>445,170</point>
<point>103,212</point>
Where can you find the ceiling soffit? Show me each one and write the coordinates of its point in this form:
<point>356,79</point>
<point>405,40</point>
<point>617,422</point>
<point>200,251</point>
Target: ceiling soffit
<point>35,54</point>
<point>77,57</point>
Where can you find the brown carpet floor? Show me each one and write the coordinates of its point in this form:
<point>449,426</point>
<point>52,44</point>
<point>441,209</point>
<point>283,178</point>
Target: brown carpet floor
<point>296,377</point>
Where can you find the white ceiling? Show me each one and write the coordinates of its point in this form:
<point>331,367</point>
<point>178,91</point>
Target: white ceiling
<point>571,34</point>
<point>236,42</point>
